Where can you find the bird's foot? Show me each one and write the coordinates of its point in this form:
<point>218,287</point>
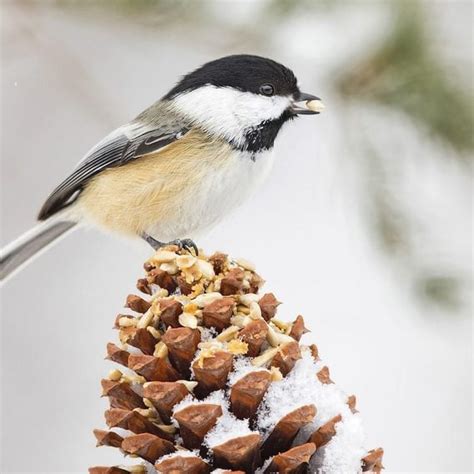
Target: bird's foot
<point>155,244</point>
<point>186,244</point>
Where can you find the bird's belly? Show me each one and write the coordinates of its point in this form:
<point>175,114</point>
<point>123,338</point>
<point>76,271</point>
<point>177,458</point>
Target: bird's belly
<point>209,199</point>
<point>170,196</point>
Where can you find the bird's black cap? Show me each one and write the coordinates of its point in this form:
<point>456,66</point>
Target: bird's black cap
<point>242,71</point>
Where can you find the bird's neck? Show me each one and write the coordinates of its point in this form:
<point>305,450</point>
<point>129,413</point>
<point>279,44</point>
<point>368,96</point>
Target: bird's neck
<point>261,137</point>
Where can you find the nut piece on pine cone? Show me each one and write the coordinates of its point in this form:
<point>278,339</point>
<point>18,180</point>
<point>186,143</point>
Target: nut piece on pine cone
<point>210,380</point>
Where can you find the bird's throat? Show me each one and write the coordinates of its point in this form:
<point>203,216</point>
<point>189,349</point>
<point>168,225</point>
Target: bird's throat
<point>262,137</point>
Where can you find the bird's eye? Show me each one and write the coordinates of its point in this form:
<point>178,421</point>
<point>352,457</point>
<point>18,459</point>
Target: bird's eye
<point>266,89</point>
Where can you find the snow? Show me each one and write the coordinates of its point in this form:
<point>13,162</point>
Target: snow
<point>227,427</point>
<point>216,397</point>
<point>242,367</point>
<point>302,387</point>
<point>343,454</point>
<point>181,453</point>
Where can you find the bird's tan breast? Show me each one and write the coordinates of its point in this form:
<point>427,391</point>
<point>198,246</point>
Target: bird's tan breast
<point>156,188</point>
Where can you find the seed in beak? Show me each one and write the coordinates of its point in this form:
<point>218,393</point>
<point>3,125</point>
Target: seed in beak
<point>315,105</point>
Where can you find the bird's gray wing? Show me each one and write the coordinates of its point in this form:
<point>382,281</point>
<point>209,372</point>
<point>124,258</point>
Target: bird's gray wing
<point>117,149</point>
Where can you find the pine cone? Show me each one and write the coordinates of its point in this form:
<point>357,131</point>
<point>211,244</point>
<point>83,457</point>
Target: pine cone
<point>214,382</point>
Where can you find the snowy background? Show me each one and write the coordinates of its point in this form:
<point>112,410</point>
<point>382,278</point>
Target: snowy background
<point>364,227</point>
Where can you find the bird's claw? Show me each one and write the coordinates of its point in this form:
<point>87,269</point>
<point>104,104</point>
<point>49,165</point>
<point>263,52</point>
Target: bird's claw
<point>186,244</point>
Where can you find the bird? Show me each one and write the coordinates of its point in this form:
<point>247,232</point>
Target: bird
<point>181,165</point>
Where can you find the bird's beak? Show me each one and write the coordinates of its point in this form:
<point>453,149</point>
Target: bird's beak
<point>307,104</point>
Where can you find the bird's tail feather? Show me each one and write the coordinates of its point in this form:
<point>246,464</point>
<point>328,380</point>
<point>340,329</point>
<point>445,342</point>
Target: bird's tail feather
<point>29,245</point>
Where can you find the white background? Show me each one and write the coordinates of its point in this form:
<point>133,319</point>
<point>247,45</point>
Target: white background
<point>67,80</point>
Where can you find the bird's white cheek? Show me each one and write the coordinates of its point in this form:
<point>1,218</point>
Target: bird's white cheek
<point>228,112</point>
<point>257,109</point>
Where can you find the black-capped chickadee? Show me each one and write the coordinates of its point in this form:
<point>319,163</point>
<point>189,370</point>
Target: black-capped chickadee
<point>182,164</point>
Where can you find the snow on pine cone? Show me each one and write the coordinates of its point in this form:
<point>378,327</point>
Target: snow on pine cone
<point>215,382</point>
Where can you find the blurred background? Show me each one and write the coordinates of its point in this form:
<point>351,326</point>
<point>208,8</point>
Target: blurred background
<point>364,226</point>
